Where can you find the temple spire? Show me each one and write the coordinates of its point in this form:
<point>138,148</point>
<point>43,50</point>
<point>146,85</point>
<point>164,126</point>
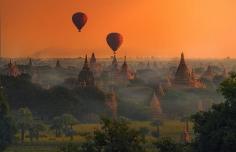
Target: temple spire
<point>86,66</point>
<point>93,59</point>
<point>183,75</point>
<point>58,64</point>
<point>30,62</point>
<point>182,60</point>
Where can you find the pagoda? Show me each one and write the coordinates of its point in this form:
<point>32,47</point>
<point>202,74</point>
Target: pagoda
<point>30,64</point>
<point>86,78</point>
<point>183,75</point>
<point>125,72</point>
<point>114,64</point>
<point>155,106</point>
<point>208,74</point>
<point>93,60</point>
<point>58,65</point>
<point>13,70</point>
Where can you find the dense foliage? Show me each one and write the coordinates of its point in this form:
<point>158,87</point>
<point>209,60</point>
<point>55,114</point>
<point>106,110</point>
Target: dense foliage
<point>46,104</point>
<point>7,130</point>
<point>216,129</point>
<point>115,136</point>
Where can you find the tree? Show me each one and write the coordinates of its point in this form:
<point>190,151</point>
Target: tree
<point>115,136</point>
<point>36,127</point>
<point>7,129</point>
<point>23,120</point>
<point>157,124</point>
<point>216,129</point>
<point>57,125</point>
<point>168,145</point>
<point>68,122</point>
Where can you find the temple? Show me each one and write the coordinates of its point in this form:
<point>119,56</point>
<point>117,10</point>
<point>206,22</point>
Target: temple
<point>95,67</point>
<point>86,78</point>
<point>30,64</point>
<point>114,64</point>
<point>58,65</point>
<point>208,74</point>
<point>13,70</point>
<point>184,77</point>
<point>93,60</point>
<point>155,106</point>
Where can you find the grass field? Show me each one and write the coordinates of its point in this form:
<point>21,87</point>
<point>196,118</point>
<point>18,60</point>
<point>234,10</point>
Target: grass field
<point>49,143</point>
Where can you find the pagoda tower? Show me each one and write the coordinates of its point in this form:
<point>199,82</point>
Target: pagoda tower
<point>30,64</point>
<point>124,67</point>
<point>155,106</point>
<point>93,60</point>
<point>183,75</point>
<point>208,74</point>
<point>58,64</point>
<point>114,64</point>
<point>86,77</point>
<point>13,70</point>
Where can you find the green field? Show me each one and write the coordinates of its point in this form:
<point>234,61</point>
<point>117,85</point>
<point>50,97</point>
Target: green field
<point>49,143</point>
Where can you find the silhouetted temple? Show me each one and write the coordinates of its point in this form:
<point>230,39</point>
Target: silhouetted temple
<point>114,64</point>
<point>30,64</point>
<point>208,74</point>
<point>93,60</point>
<point>185,77</point>
<point>125,72</point>
<point>58,65</point>
<point>86,77</point>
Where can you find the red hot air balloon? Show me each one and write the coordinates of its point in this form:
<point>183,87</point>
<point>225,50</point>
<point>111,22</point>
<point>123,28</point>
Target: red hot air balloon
<point>114,40</point>
<point>79,19</point>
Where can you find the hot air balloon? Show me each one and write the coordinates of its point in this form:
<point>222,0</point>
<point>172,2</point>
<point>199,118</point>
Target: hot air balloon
<point>79,19</point>
<point>114,40</point>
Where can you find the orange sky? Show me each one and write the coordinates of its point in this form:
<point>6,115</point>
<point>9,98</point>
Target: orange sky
<point>201,28</point>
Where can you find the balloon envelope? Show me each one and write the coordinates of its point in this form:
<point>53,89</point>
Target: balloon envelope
<point>114,40</point>
<point>79,19</point>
